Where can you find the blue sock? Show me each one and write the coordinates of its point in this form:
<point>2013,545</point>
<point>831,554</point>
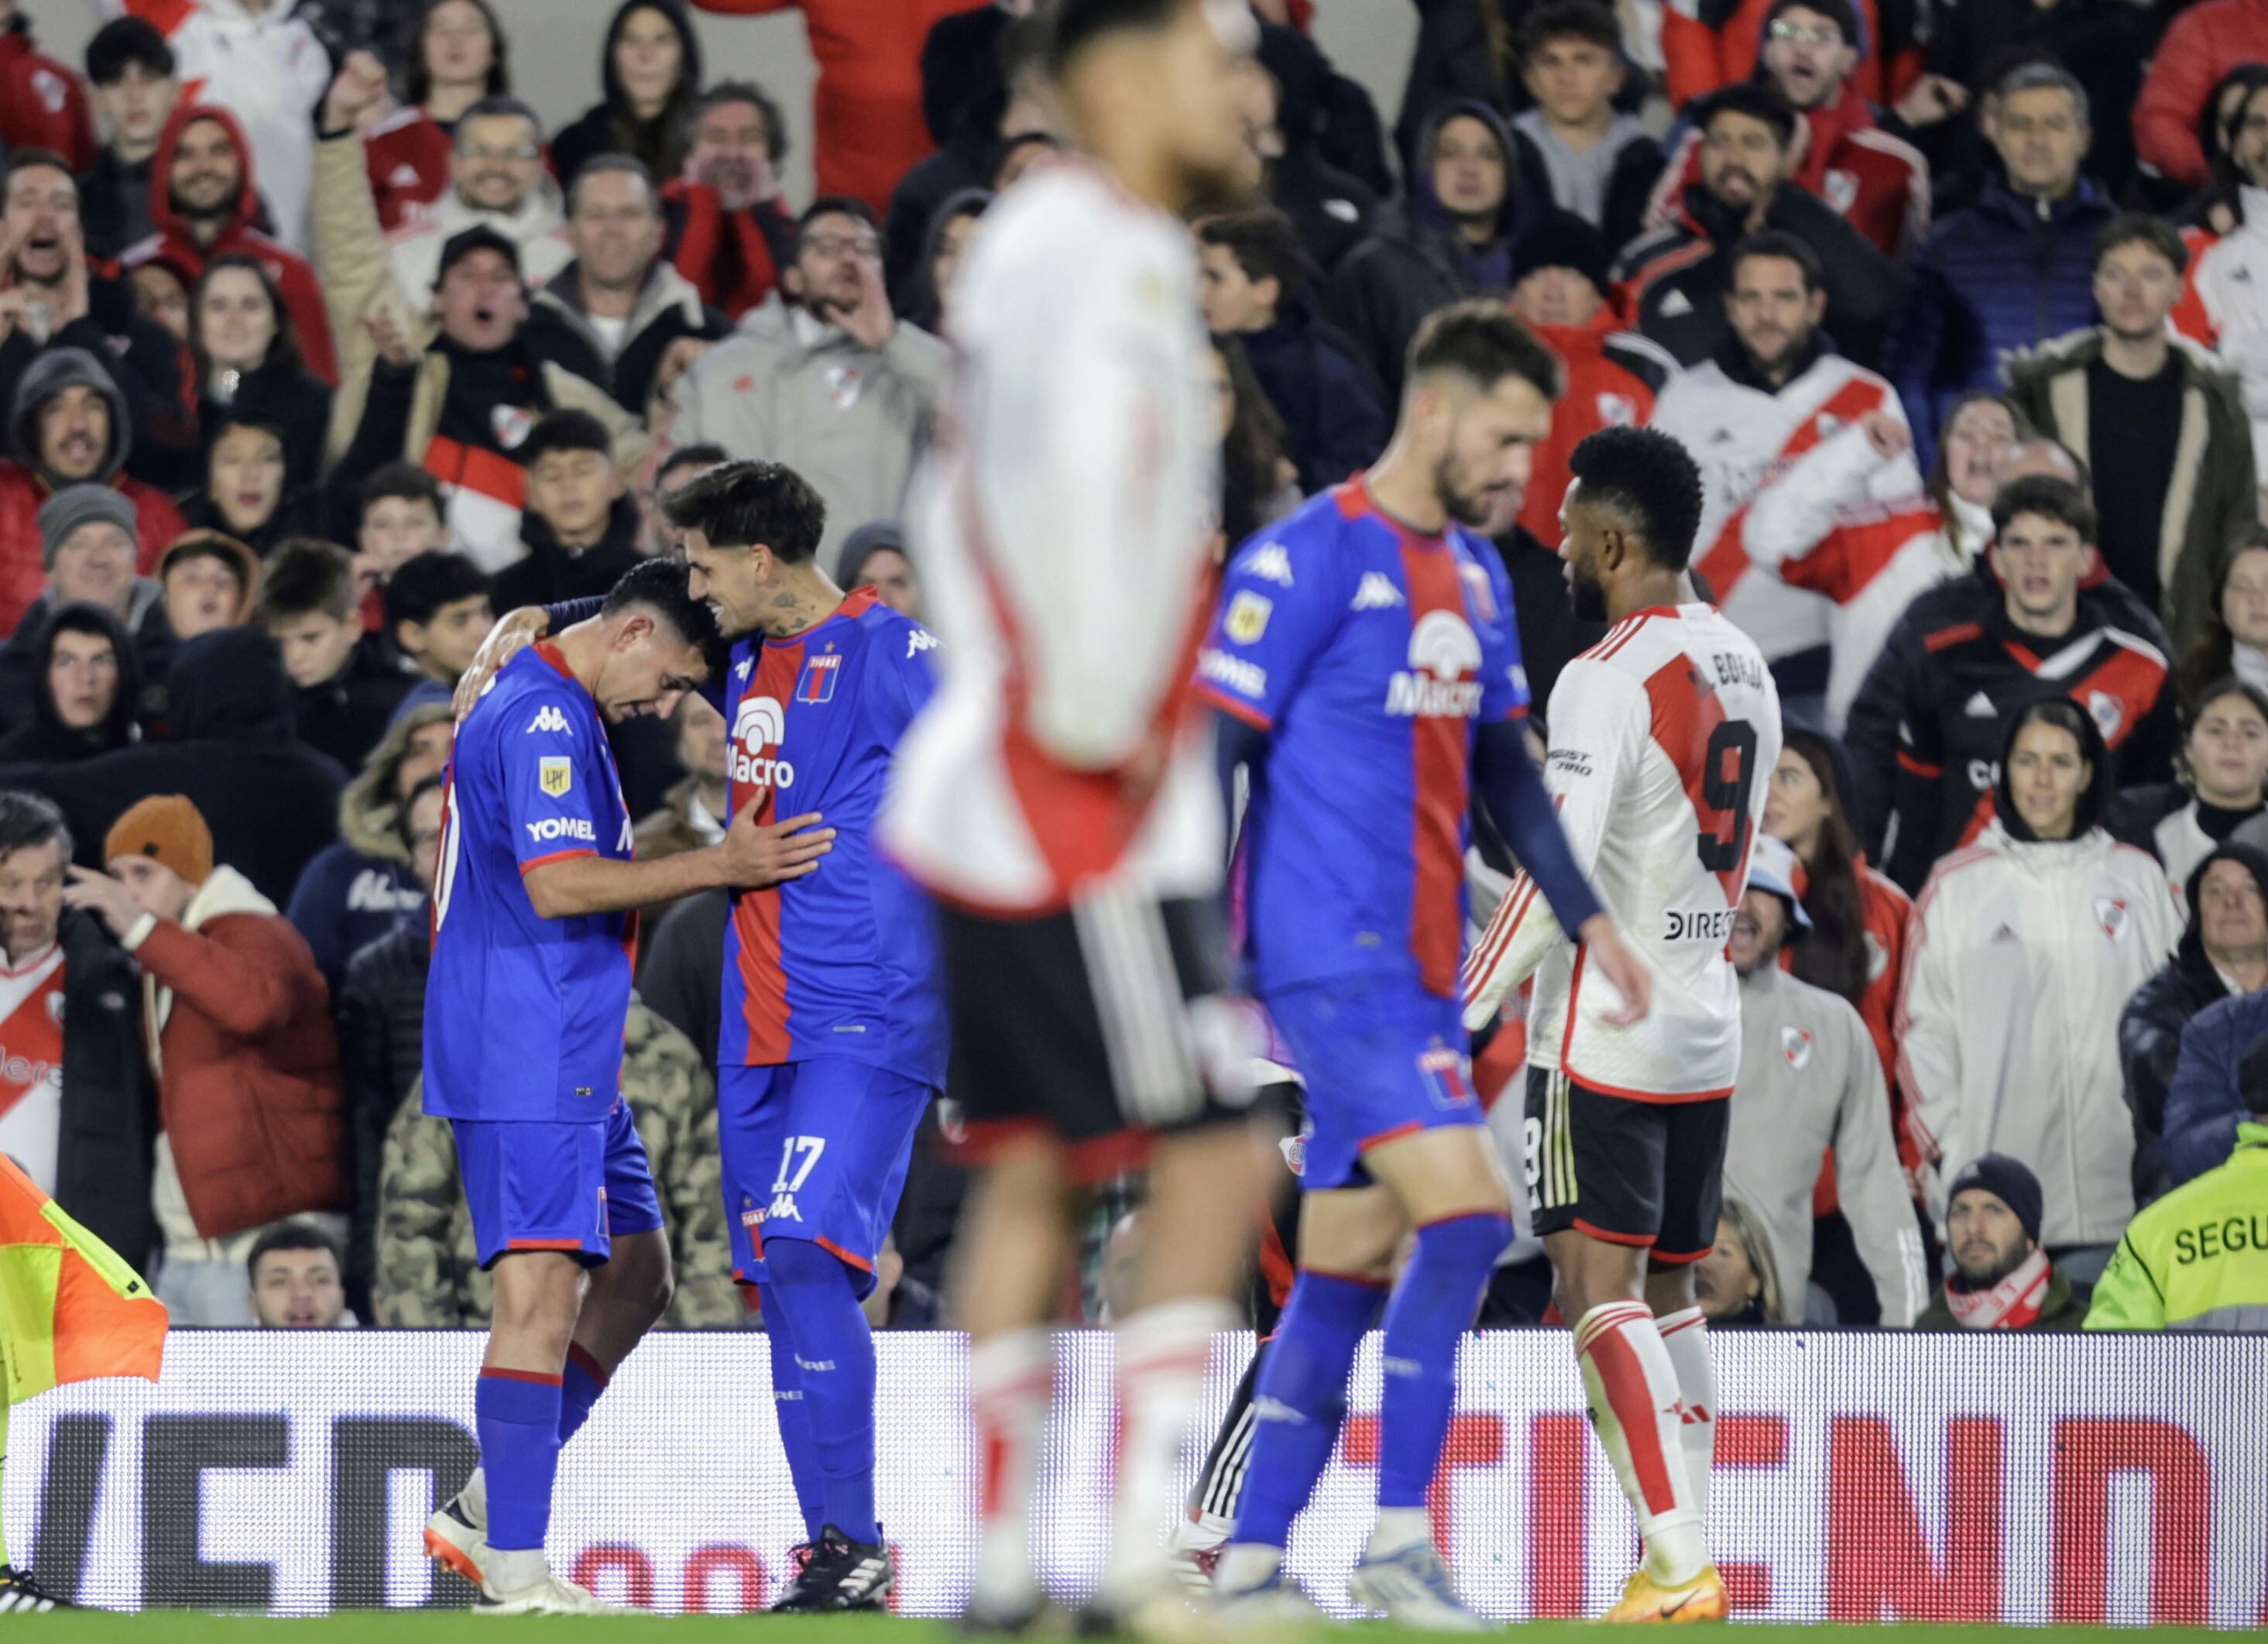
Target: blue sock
<point>835,1353</point>
<point>793,1411</point>
<point>1301,1400</point>
<point>516,1413</point>
<point>578,1389</point>
<point>1433,1303</point>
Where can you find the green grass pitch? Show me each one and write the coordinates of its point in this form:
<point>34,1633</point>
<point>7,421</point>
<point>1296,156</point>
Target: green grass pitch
<point>451,1626</point>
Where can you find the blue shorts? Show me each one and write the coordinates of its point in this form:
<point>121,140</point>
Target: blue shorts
<point>535,1185</point>
<point>815,1150</point>
<point>1381,1057</point>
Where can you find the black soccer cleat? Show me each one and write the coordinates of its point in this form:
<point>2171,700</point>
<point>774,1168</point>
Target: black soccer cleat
<point>21,1595</point>
<point>841,1574</point>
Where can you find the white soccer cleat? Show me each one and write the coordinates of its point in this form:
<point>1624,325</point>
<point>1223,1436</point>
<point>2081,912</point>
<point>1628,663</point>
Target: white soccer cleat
<point>1413,1588</point>
<point>550,1597</point>
<point>1195,1549</point>
<point>454,1541</point>
<point>1278,1602</point>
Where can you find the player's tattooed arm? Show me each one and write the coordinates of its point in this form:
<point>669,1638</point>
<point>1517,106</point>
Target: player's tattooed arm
<point>753,854</point>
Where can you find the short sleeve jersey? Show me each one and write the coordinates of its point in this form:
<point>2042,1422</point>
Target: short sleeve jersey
<point>1369,653</point>
<point>524,1015</point>
<point>839,961</point>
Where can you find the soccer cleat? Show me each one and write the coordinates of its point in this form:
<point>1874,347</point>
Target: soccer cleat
<point>21,1595</point>
<point>1278,1602</point>
<point>452,1540</point>
<point>1195,1549</point>
<point>1701,1599</point>
<point>1412,1587</point>
<point>550,1597</point>
<point>840,1574</point>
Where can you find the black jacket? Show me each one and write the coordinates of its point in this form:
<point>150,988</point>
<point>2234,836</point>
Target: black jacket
<point>1629,185</point>
<point>110,1103</point>
<point>970,159</point>
<point>2150,1027</point>
<point>1926,727</point>
<point>1332,176</point>
<point>1334,420</point>
<point>667,309</point>
<point>346,715</point>
<point>270,802</point>
<point>381,1014</point>
<point>681,967</point>
<point>150,367</point>
<point>551,576</point>
<point>1678,296</point>
<point>961,65</point>
<point>36,734</point>
<point>292,400</point>
<point>114,204</point>
<point>2104,43</point>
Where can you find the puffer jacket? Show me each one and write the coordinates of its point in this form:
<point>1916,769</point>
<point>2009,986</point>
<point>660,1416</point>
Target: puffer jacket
<point>2021,955</point>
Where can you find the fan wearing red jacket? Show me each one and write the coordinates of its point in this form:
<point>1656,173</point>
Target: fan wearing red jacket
<point>43,105</point>
<point>1709,43</point>
<point>1559,281</point>
<point>867,108</point>
<point>204,202</point>
<point>1877,183</point>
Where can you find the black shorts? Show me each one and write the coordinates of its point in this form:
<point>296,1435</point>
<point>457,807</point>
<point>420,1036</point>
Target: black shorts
<point>1649,1173</point>
<point>1103,1024</point>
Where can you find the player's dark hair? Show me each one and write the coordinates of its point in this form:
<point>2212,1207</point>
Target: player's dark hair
<point>1481,341</point>
<point>306,576</point>
<point>435,784</point>
<point>739,92</point>
<point>1264,244</point>
<point>423,583</point>
<point>292,1235</point>
<point>664,586</point>
<point>406,481</point>
<point>28,821</point>
<point>1839,13</point>
<point>2140,228</point>
<point>2049,498</point>
<point>1076,25</point>
<point>1777,242</point>
<point>1745,97</point>
<point>744,504</point>
<point>569,430</point>
<point>703,456</point>
<point>1585,21</point>
<point>1644,476</point>
<point>125,41</point>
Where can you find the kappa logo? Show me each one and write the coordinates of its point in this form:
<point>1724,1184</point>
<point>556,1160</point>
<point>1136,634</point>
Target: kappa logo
<point>2110,914</point>
<point>759,727</point>
<point>783,1209</point>
<point>2108,712</point>
<point>1376,592</point>
<point>920,639</point>
<point>547,719</point>
<point>1270,562</point>
<point>2006,933</point>
<point>1444,652</point>
<point>1721,437</point>
<point>1795,1045</point>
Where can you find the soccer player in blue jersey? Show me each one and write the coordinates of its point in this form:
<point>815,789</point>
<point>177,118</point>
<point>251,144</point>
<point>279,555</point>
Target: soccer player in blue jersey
<point>1366,673</point>
<point>525,1006</point>
<point>833,1037</point>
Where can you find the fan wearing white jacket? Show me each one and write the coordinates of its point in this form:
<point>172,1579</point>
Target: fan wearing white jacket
<point>2024,950</point>
<point>1823,528</point>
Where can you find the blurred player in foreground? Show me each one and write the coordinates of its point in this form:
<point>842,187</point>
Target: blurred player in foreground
<point>1371,632</point>
<point>524,1018</point>
<point>1663,736</point>
<point>1058,796</point>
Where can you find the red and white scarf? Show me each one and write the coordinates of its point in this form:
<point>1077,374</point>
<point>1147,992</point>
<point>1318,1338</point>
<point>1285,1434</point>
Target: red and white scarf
<point>2013,1304</point>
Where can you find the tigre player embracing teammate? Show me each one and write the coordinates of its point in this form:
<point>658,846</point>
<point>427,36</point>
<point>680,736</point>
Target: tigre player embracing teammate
<point>1662,737</point>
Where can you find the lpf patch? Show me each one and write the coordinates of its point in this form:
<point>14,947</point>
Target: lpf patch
<point>555,777</point>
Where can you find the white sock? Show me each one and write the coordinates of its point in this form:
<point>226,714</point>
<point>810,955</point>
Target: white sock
<point>1685,1336</point>
<point>1010,1377</point>
<point>1633,1396</point>
<point>1397,1529</point>
<point>1161,1356</point>
<point>1245,1565</point>
<point>473,1499</point>
<point>515,1570</point>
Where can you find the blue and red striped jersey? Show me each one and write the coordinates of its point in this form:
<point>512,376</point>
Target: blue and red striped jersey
<point>839,963</point>
<point>1368,652</point>
<point>523,1014</point>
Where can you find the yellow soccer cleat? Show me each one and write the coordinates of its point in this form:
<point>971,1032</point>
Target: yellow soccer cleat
<point>1701,1599</point>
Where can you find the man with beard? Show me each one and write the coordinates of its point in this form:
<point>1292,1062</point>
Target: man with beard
<point>1672,282</point>
<point>209,206</point>
<point>52,296</point>
<point>1664,737</point>
<point>1772,390</point>
<point>1371,624</point>
<point>826,379</point>
<point>2001,1279</point>
<point>2157,419</point>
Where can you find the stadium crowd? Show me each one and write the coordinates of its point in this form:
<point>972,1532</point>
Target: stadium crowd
<point>319,352</point>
